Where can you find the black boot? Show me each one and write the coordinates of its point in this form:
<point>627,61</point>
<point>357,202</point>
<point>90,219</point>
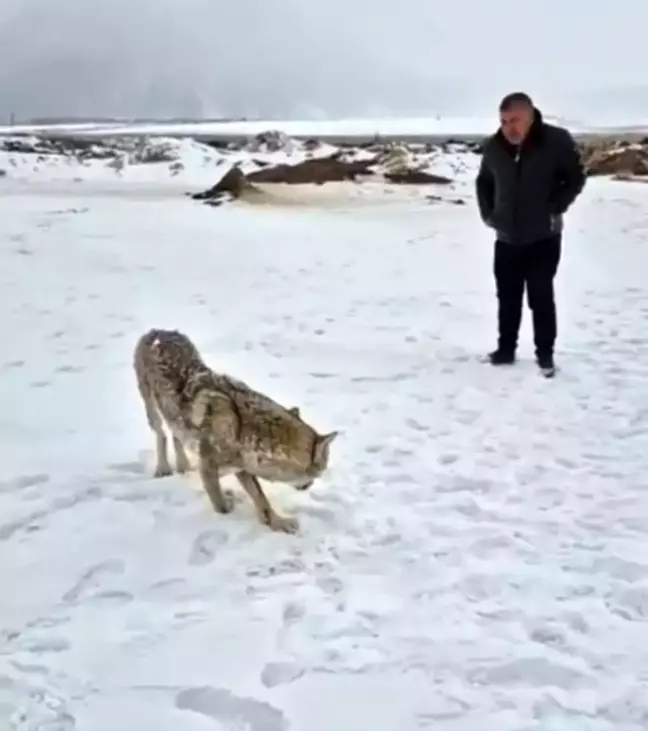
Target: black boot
<point>501,357</point>
<point>546,364</point>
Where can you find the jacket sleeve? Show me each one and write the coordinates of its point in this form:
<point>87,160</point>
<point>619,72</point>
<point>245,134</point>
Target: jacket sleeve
<point>571,174</point>
<point>485,185</point>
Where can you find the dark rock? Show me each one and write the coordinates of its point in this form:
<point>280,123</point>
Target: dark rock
<point>319,171</point>
<point>231,185</point>
<point>616,159</point>
<point>417,177</point>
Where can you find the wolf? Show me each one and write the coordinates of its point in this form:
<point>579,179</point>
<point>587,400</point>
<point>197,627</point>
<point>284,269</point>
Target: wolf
<point>232,428</point>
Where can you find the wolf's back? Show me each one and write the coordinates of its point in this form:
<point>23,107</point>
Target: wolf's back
<point>168,354</point>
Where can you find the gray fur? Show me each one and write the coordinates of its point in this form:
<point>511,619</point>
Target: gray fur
<point>232,428</point>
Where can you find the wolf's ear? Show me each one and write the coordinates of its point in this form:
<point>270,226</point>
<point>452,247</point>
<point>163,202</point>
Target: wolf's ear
<point>294,410</point>
<point>322,445</point>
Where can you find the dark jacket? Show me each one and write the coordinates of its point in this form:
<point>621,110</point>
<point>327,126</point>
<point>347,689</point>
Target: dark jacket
<point>523,191</point>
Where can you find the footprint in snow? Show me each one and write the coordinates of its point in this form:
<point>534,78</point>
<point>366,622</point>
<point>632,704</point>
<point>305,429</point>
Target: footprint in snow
<point>231,710</point>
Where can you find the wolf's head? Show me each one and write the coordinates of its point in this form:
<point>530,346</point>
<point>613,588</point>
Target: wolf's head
<point>319,456</point>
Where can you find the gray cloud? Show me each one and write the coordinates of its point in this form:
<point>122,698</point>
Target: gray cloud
<point>305,57</point>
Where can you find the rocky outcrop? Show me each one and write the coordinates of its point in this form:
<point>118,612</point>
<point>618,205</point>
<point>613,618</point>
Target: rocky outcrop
<point>272,140</point>
<point>318,170</point>
<point>394,158</point>
<point>231,186</point>
<point>67,146</point>
<point>616,158</point>
<point>417,177</point>
<point>393,164</point>
<point>403,165</point>
<point>315,171</point>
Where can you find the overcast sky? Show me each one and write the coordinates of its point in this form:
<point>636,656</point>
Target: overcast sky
<point>296,58</point>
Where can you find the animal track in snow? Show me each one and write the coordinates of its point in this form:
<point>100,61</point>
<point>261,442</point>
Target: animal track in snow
<point>14,364</point>
<point>43,644</point>
<point>92,579</point>
<point>205,547</point>
<point>281,673</point>
<point>129,468</point>
<point>24,482</point>
<point>231,710</point>
<point>72,369</point>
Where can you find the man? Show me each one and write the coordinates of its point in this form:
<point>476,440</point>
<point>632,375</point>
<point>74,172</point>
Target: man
<point>531,172</point>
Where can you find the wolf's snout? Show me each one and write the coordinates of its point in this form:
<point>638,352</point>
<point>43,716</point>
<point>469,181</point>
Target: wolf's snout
<point>305,485</point>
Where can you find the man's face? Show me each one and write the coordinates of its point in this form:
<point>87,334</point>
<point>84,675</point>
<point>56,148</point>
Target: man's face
<point>516,122</point>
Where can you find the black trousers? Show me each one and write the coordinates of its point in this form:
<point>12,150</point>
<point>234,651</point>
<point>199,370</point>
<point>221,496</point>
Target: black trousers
<point>533,266</point>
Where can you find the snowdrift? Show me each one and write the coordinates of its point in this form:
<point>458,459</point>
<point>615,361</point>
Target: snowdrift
<point>247,171</point>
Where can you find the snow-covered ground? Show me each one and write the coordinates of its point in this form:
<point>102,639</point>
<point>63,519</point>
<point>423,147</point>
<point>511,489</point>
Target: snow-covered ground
<point>361,128</point>
<point>477,556</point>
<point>186,165</point>
<point>301,128</point>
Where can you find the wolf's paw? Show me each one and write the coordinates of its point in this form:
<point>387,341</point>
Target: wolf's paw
<point>226,505</point>
<point>183,466</point>
<point>282,524</point>
<point>163,470</point>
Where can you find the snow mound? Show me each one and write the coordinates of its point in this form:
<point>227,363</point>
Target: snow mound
<point>143,158</point>
<point>269,157</point>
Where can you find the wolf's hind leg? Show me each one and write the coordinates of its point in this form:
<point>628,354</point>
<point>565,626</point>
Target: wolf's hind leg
<point>154,418</point>
<point>265,511</point>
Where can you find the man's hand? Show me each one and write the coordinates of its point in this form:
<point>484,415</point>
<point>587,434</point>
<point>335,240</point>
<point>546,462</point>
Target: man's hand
<point>556,223</point>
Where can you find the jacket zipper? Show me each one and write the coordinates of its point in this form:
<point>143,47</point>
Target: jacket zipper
<point>518,166</point>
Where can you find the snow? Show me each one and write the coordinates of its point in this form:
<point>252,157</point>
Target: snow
<point>300,128</point>
<point>187,163</point>
<point>362,128</point>
<point>476,555</point>
<point>170,165</point>
<point>13,129</point>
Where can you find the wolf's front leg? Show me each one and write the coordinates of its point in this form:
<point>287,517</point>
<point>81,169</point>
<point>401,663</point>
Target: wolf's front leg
<point>264,510</point>
<point>222,500</point>
<point>154,418</point>
<point>162,467</point>
<point>182,461</point>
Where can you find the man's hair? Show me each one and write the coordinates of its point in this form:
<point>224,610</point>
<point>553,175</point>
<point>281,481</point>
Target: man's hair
<point>515,99</point>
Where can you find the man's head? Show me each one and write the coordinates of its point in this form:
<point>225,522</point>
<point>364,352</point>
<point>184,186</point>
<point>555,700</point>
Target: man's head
<point>516,116</point>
